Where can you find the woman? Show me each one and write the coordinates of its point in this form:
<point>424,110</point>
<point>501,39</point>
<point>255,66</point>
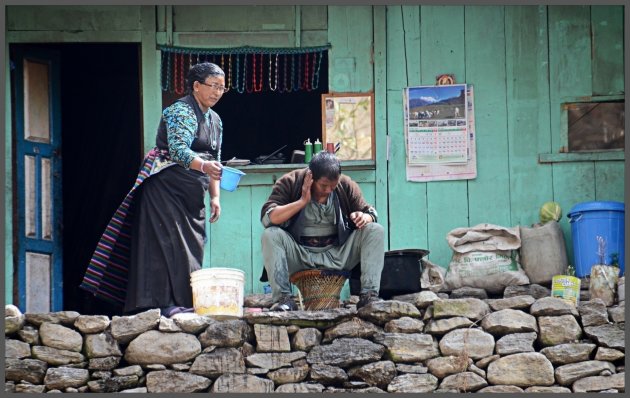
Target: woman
<point>156,238</point>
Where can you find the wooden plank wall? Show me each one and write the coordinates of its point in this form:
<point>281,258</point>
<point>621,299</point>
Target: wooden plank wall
<point>524,62</point>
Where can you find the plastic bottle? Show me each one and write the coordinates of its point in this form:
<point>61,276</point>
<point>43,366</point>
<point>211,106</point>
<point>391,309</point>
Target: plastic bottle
<point>308,150</point>
<point>317,146</point>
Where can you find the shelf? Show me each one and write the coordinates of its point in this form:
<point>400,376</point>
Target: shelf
<point>580,157</point>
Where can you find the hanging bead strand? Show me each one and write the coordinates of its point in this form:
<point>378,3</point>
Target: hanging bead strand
<point>247,89</point>
<point>169,72</point>
<point>238,72</point>
<point>259,86</point>
<point>275,85</point>
<point>298,84</point>
<point>163,71</point>
<point>292,72</point>
<point>315,81</point>
<point>285,73</point>
<point>306,77</point>
<point>244,79</point>
<point>179,74</point>
<point>229,71</point>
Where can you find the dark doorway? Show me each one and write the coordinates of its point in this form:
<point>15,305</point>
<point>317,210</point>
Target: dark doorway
<point>101,152</point>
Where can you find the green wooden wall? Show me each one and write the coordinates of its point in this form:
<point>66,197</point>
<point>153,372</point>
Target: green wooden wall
<point>524,63</point>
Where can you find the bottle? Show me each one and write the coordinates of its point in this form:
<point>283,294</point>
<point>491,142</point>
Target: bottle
<point>308,150</point>
<point>317,146</point>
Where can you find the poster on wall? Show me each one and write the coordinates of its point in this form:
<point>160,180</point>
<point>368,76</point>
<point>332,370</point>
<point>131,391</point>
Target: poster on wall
<point>348,124</point>
<point>440,133</point>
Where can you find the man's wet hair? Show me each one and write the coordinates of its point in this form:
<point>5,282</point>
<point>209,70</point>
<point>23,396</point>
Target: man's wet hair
<point>325,164</point>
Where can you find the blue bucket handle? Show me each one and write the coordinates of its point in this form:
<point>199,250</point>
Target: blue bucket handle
<point>575,217</point>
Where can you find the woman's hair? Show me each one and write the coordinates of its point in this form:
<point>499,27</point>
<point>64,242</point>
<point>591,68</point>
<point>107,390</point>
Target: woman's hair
<point>200,72</point>
<point>325,164</point>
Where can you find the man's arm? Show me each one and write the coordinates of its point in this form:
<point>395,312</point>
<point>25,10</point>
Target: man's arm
<point>361,213</point>
<point>281,214</point>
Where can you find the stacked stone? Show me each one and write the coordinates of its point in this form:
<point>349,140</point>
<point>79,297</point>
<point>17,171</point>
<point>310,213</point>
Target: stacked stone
<point>421,342</point>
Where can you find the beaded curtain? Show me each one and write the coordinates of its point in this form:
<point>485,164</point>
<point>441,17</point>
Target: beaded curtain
<point>247,69</point>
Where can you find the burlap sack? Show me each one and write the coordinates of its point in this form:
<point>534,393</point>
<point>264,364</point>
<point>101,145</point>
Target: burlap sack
<point>484,256</point>
<point>543,253</point>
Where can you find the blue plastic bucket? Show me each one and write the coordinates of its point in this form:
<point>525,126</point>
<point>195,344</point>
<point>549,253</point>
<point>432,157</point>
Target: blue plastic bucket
<point>230,178</point>
<point>590,220</point>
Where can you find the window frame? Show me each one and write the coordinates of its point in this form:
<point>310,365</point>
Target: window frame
<point>587,156</point>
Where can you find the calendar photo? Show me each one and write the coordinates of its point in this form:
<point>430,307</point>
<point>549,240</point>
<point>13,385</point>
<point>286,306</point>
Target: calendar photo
<point>435,121</point>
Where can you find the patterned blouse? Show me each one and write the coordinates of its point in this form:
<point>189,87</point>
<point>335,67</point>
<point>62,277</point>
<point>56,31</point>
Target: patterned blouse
<point>181,127</point>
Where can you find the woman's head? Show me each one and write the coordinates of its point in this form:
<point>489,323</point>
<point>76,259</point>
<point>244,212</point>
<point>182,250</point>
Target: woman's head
<point>200,72</point>
<point>325,164</point>
<point>206,82</point>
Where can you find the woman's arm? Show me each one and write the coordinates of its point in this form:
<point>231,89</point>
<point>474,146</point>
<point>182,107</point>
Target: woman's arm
<point>215,203</point>
<point>181,127</point>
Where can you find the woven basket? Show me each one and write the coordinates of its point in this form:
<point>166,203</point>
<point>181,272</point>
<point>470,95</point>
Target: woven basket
<point>320,288</point>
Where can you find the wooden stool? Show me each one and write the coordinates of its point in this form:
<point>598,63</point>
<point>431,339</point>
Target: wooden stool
<point>320,288</point>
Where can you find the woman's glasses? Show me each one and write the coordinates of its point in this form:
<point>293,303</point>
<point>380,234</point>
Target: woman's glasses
<point>216,87</point>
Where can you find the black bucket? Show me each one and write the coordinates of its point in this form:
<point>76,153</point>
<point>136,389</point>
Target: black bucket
<point>401,273</point>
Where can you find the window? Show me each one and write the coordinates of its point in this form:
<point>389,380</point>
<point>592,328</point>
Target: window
<point>595,126</point>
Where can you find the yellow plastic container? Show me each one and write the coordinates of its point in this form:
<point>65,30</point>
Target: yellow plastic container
<point>567,288</point>
<point>218,292</point>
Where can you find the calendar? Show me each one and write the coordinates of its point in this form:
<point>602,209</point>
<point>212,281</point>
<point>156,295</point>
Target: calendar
<point>440,133</point>
<point>438,146</point>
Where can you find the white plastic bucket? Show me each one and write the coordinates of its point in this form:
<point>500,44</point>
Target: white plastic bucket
<point>218,292</point>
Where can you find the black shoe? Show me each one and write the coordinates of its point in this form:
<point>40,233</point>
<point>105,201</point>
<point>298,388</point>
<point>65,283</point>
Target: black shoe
<point>285,303</point>
<point>367,298</point>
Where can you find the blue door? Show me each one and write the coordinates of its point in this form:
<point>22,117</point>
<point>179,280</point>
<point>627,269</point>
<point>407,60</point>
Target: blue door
<point>38,169</point>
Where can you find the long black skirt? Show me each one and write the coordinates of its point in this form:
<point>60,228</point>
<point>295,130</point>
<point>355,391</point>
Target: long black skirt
<point>167,240</point>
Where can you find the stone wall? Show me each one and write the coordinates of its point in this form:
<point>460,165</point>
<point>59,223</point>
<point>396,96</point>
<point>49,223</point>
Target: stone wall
<point>422,342</point>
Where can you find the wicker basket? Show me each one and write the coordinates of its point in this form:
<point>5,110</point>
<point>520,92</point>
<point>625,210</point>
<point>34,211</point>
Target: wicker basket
<point>320,288</point>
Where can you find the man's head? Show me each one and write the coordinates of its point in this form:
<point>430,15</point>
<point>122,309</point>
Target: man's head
<point>326,171</point>
<point>325,164</point>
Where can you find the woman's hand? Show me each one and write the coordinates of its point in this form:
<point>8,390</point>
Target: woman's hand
<point>213,169</point>
<point>360,219</point>
<point>215,209</point>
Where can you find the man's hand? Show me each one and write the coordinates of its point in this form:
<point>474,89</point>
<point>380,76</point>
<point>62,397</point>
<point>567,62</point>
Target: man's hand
<point>284,213</point>
<point>306,188</point>
<point>360,219</point>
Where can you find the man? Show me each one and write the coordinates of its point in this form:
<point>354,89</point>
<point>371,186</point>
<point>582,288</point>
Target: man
<point>317,218</point>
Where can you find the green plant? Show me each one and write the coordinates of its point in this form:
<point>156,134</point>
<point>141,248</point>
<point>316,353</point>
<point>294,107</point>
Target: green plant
<point>614,259</point>
<point>550,211</point>
<point>570,270</point>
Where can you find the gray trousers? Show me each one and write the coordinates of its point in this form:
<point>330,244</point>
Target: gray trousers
<point>283,257</point>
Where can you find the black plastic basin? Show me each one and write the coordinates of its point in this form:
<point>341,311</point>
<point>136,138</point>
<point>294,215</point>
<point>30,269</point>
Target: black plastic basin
<point>401,273</point>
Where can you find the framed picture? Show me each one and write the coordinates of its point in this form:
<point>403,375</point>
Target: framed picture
<point>348,123</point>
